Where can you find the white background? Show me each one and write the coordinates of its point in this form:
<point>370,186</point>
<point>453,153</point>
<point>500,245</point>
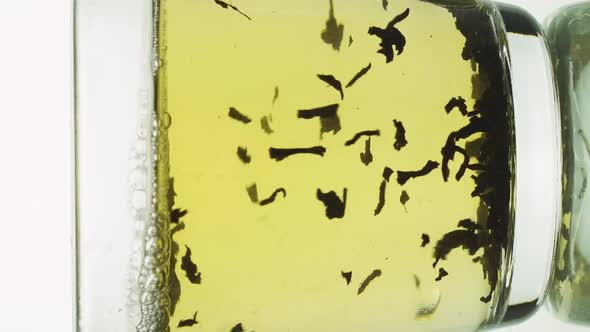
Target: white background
<point>36,204</point>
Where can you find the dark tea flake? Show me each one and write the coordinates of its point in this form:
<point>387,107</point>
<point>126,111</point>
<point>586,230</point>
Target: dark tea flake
<point>236,115</point>
<point>404,198</point>
<point>229,6</point>
<point>391,37</point>
<point>468,224</point>
<point>486,299</point>
<point>387,172</point>
<point>400,135</point>
<point>274,196</point>
<point>458,103</point>
<point>441,274</point>
<point>190,268</point>
<point>334,32</point>
<point>404,176</point>
<point>466,239</point>
<point>189,322</point>
<point>475,125</point>
<point>367,156</point>
<point>425,240</point>
<point>328,116</point>
<point>237,328</point>
<point>176,214</point>
<point>275,97</point>
<point>333,82</point>
<point>265,124</point>
<point>347,276</point>
<point>243,155</point>
<point>319,112</point>
<point>252,192</point>
<point>471,238</point>
<point>335,206</point>
<point>358,136</point>
<point>358,75</point>
<point>381,203</point>
<point>376,273</point>
<point>280,154</point>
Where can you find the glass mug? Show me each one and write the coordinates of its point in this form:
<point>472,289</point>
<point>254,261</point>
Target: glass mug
<point>569,35</point>
<point>312,165</point>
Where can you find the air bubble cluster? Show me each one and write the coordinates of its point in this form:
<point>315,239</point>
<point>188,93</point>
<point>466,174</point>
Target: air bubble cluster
<point>153,287</point>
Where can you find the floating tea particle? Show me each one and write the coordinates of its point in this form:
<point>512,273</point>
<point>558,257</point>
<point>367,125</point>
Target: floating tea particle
<point>333,82</point>
<point>387,172</point>
<point>334,32</point>
<point>335,206</point>
<point>400,135</point>
<point>381,203</point>
<point>280,154</point>
<point>273,196</point>
<point>358,135</point>
<point>328,115</point>
<point>403,177</point>
<point>176,214</point>
<point>252,192</point>
<point>376,273</point>
<point>237,328</point>
<point>347,276</point>
<point>189,322</point>
<point>243,155</point>
<point>276,95</point>
<point>236,115</point>
<point>456,103</point>
<point>265,124</point>
<point>228,6</point>
<point>190,268</point>
<point>441,274</point>
<point>404,198</point>
<point>358,75</point>
<point>390,37</point>
<point>367,156</point>
<point>425,240</point>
